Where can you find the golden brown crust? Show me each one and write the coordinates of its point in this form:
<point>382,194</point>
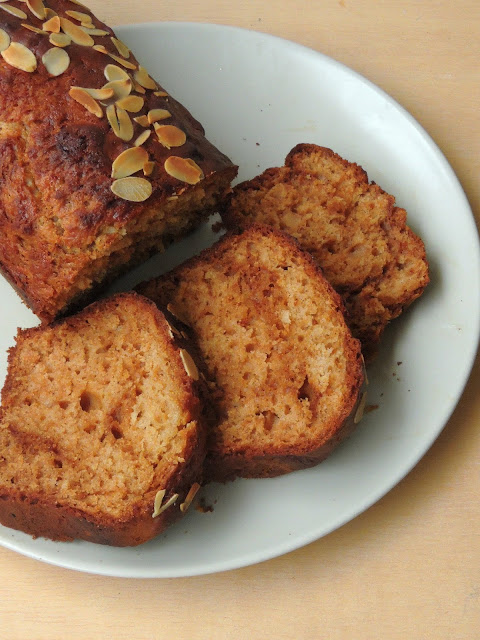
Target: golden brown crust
<point>285,373</point>
<point>352,228</point>
<point>58,214</point>
<point>94,474</point>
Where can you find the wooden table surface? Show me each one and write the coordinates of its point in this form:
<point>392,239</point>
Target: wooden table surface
<point>409,567</point>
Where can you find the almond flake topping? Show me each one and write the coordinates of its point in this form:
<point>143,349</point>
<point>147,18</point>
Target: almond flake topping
<point>183,169</point>
<point>129,162</point>
<point>4,40</point>
<point>37,8</point>
<point>148,168</point>
<point>122,48</point>
<point>60,39</point>
<point>52,25</point>
<point>19,56</point>
<point>76,33</point>
<point>49,13</point>
<point>170,136</point>
<point>138,88</point>
<point>144,80</point>
<point>154,115</point>
<point>124,63</point>
<point>112,72</point>
<point>92,31</point>
<point>30,27</point>
<point>161,94</point>
<point>120,122</point>
<point>190,497</point>
<point>100,48</point>
<point>121,88</point>
<point>101,94</point>
<point>56,61</point>
<point>157,505</point>
<point>131,103</point>
<point>132,189</point>
<point>82,96</point>
<point>78,15</point>
<point>143,137</point>
<point>14,11</point>
<point>142,121</point>
<point>189,364</point>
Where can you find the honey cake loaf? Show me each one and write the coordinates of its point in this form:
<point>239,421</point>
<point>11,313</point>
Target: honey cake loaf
<point>284,371</point>
<point>100,167</point>
<point>102,435</point>
<point>351,227</point>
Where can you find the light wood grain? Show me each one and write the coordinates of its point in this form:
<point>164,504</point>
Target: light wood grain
<point>408,568</point>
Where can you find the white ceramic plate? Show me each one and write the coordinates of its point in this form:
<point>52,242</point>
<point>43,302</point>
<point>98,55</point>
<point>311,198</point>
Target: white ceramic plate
<point>257,97</point>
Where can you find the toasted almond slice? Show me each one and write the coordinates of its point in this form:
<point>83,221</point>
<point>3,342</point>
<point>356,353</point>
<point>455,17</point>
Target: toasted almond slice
<point>85,99</point>
<point>161,94</point>
<point>122,48</point>
<point>121,88</point>
<point>132,189</point>
<point>189,364</point>
<point>19,56</point>
<point>143,137</point>
<point>148,168</point>
<point>157,503</point>
<point>124,63</point>
<point>87,25</point>
<point>113,120</point>
<point>142,121</point>
<point>131,103</point>
<point>76,33</point>
<point>49,13</point>
<point>60,39</point>
<point>93,31</point>
<point>56,61</point>
<point>52,25</point>
<point>190,497</point>
<point>183,169</point>
<point>14,11</point>
<point>129,162</point>
<point>112,72</point>
<point>154,115</point>
<point>125,125</point>
<point>78,15</point>
<point>144,80</point>
<point>100,48</point>
<point>37,8</point>
<point>169,135</point>
<point>4,40</point>
<point>30,27</point>
<point>101,94</point>
<point>138,88</point>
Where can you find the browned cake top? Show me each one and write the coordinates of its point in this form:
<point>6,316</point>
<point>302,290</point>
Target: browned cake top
<point>98,411</point>
<point>272,334</point>
<point>351,227</point>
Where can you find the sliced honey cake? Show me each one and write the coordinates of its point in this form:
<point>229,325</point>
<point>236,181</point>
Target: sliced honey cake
<point>101,430</point>
<point>351,227</point>
<point>284,371</point>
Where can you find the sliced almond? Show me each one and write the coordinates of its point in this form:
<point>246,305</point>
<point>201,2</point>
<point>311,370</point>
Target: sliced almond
<point>129,162</point>
<point>131,103</point>
<point>148,168</point>
<point>190,497</point>
<point>4,40</point>
<point>93,31</point>
<point>158,508</point>
<point>121,88</point>
<point>112,72</point>
<point>113,120</point>
<point>142,121</point>
<point>138,88</point>
<point>189,364</point>
<point>60,39</point>
<point>85,99</point>
<point>52,25</point>
<point>125,125</point>
<point>143,137</point>
<point>19,56</point>
<point>37,8</point>
<point>30,27</point>
<point>76,33</point>
<point>124,63</point>
<point>49,13</point>
<point>161,94</point>
<point>56,61</point>
<point>14,11</point>
<point>79,15</point>
<point>154,115</point>
<point>170,136</point>
<point>100,48</point>
<point>132,189</point>
<point>122,48</point>
<point>144,80</point>
<point>101,94</point>
<point>183,169</point>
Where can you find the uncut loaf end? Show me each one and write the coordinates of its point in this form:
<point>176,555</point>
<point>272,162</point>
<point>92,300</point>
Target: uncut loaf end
<point>285,373</point>
<point>100,167</point>
<point>102,434</point>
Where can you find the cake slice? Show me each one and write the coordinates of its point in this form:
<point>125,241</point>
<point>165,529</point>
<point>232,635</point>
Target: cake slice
<point>101,429</point>
<point>351,227</point>
<point>284,371</point>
